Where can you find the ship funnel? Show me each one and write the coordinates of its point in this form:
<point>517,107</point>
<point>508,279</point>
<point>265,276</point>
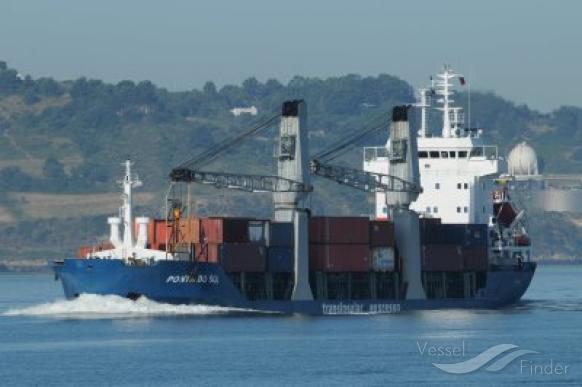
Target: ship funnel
<point>142,232</point>
<point>114,223</point>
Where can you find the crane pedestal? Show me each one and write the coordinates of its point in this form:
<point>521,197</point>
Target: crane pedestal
<point>407,233</point>
<point>301,288</point>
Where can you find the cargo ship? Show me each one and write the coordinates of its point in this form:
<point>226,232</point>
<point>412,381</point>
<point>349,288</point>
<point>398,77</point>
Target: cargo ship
<point>444,233</point>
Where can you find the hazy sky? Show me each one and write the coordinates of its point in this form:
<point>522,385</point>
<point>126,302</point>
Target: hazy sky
<point>528,51</point>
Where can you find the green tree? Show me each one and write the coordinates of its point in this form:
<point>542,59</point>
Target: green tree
<point>53,170</point>
<point>209,89</point>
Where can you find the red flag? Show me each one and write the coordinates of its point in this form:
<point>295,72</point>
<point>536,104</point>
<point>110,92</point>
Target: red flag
<point>462,80</point>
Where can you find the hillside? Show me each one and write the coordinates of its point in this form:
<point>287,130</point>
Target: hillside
<point>61,145</point>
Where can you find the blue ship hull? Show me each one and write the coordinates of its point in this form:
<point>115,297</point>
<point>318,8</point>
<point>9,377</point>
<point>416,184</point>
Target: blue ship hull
<point>183,282</point>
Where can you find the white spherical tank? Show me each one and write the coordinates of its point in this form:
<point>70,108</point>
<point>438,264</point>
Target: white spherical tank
<point>523,161</point>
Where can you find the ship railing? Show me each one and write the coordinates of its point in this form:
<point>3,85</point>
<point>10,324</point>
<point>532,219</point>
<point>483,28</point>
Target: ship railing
<point>372,153</point>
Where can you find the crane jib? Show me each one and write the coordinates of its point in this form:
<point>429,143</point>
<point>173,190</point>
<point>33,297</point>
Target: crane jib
<point>244,182</point>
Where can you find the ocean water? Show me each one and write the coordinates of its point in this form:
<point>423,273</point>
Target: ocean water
<point>96,340</point>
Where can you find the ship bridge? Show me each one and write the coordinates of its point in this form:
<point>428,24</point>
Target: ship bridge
<point>457,169</point>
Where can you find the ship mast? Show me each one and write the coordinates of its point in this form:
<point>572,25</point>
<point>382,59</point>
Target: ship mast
<point>444,88</point>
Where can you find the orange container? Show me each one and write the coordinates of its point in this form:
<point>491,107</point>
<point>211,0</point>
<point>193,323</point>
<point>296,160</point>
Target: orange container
<point>190,230</point>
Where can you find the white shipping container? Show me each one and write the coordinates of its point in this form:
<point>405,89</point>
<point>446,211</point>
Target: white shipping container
<point>383,259</point>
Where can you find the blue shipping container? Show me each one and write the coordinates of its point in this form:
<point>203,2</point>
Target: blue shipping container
<point>281,234</point>
<point>280,260</point>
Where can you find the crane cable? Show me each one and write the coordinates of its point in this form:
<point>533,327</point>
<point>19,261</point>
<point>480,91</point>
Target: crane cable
<point>214,151</point>
<point>342,145</point>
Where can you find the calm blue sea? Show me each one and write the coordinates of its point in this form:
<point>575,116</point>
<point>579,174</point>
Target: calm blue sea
<point>110,341</point>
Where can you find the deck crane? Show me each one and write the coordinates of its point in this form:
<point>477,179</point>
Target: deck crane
<point>401,185</point>
<point>290,188</point>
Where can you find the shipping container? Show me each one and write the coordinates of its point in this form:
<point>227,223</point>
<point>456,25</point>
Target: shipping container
<point>243,257</point>
<point>224,230</point>
<point>381,233</point>
<point>339,257</point>
<point>233,257</point>
<point>429,221</point>
<point>383,259</point>
<point>475,259</point>
<point>189,230</point>
<point>339,230</point>
<point>157,232</point>
<point>467,235</point>
<point>257,230</point>
<point>442,258</point>
<point>281,234</point>
<point>280,259</point>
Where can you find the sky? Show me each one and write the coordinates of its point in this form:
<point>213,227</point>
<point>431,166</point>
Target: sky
<point>527,51</point>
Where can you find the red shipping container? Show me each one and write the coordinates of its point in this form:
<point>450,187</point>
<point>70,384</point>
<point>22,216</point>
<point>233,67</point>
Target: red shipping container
<point>476,259</point>
<point>381,234</point>
<point>157,232</point>
<point>224,230</point>
<point>338,230</point>
<point>442,258</point>
<point>339,258</point>
<point>247,257</point>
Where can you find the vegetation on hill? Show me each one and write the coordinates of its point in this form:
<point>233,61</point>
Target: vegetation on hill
<point>70,138</point>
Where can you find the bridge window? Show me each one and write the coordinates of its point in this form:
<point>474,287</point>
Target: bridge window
<point>444,154</point>
<point>459,185</point>
<point>422,155</point>
<point>437,186</point>
<point>459,210</point>
<point>452,154</point>
<point>462,154</point>
<point>476,152</point>
<point>465,210</point>
<point>428,210</point>
<point>434,154</point>
<point>435,210</point>
<point>466,186</point>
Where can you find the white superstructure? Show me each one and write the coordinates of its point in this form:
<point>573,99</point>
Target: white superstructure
<point>128,248</point>
<point>456,167</point>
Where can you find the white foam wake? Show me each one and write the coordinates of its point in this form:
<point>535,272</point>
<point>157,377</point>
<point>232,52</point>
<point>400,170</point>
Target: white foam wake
<point>111,306</point>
